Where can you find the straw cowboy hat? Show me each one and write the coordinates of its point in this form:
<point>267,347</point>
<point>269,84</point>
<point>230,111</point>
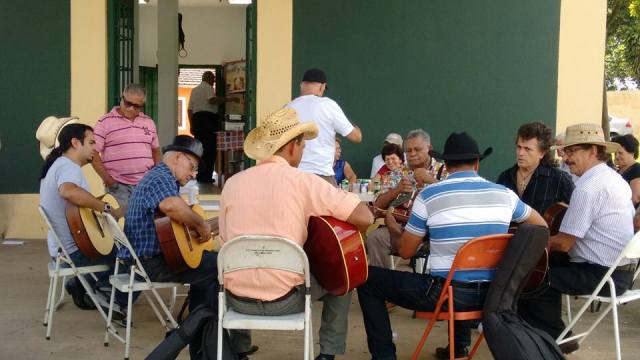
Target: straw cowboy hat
<point>48,131</point>
<point>275,131</point>
<point>587,134</point>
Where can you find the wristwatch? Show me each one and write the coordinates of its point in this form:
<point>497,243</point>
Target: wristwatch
<point>107,208</point>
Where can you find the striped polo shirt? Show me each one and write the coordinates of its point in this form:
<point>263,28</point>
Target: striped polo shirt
<point>126,146</point>
<point>458,209</point>
<point>600,215</point>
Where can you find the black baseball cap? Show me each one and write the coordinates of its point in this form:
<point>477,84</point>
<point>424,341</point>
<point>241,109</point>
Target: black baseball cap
<point>315,75</point>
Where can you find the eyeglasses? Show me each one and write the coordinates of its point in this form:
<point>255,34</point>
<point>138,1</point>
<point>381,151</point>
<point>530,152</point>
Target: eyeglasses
<point>194,165</point>
<point>128,104</point>
<point>570,150</point>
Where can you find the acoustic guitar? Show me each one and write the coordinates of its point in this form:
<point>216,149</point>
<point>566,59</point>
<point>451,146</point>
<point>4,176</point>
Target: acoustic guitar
<point>553,217</point>
<point>336,253</point>
<point>179,243</point>
<point>88,231</point>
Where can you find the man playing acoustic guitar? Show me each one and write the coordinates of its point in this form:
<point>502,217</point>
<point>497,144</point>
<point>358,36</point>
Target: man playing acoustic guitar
<point>275,198</point>
<point>159,191</point>
<point>62,182</point>
<point>454,211</point>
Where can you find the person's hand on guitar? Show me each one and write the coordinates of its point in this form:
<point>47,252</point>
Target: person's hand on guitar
<point>424,177</point>
<point>117,213</point>
<point>405,185</point>
<point>204,232</point>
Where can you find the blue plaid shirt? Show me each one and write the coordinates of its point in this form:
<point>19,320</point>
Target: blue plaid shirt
<point>157,185</point>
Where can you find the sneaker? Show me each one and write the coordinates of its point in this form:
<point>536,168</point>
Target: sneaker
<point>79,295</point>
<point>443,352</point>
<point>569,347</point>
<point>245,354</point>
<point>325,357</point>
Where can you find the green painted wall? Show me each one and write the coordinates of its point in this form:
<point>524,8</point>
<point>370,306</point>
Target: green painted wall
<point>36,83</point>
<point>443,65</point>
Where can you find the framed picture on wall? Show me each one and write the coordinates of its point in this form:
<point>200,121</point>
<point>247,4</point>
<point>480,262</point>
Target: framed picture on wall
<point>234,76</point>
<point>182,113</point>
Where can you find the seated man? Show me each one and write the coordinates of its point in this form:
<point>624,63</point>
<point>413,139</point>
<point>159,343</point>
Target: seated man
<point>62,182</point>
<point>275,198</point>
<point>426,170</point>
<point>157,191</point>
<point>454,211</point>
<point>595,229</point>
<point>534,178</point>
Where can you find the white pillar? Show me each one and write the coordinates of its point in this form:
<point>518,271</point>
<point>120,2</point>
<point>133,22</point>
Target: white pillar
<point>167,70</point>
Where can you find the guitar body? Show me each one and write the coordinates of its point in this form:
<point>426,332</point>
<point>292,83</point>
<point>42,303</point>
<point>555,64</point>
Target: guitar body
<point>553,217</point>
<point>179,245</point>
<point>336,253</point>
<point>87,230</point>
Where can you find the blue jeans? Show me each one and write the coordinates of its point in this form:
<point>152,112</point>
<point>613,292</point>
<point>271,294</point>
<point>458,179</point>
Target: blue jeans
<point>411,291</point>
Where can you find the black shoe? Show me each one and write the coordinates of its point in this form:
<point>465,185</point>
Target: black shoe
<point>569,347</point>
<point>460,351</point>
<point>252,350</point>
<point>79,295</point>
<point>325,357</point>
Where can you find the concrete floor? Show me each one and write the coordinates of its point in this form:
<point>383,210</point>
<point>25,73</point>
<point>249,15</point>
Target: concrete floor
<point>79,334</point>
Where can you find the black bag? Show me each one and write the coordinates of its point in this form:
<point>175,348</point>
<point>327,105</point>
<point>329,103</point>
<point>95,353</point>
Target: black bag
<point>200,331</point>
<point>508,335</point>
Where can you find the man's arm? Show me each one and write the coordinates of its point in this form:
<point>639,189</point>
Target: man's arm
<point>355,136</point>
<point>178,210</point>
<point>98,166</point>
<point>361,216</point>
<point>157,155</point>
<point>562,242</point>
<point>384,199</point>
<point>535,219</point>
<point>405,244</point>
<point>82,198</point>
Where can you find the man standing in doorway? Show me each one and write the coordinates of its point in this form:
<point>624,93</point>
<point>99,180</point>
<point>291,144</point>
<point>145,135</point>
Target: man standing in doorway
<point>204,120</point>
<point>312,106</point>
<point>126,144</point>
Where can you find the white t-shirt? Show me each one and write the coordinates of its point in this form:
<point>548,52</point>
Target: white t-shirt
<point>319,153</point>
<point>376,164</point>
<point>62,171</point>
<point>199,99</point>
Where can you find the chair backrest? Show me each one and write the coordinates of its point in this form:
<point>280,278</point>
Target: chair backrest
<point>121,240</point>
<point>632,249</point>
<point>481,253</point>
<point>262,252</point>
<point>44,215</point>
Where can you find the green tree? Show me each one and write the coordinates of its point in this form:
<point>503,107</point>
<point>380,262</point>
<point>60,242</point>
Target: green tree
<point>622,57</point>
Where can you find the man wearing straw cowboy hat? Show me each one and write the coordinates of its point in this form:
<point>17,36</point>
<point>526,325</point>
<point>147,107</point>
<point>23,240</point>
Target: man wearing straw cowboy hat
<point>453,211</point>
<point>595,229</point>
<point>276,198</point>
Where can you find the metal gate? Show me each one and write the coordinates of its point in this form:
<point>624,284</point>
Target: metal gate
<point>121,35</point>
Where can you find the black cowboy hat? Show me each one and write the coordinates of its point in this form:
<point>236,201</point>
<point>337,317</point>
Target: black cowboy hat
<point>185,144</point>
<point>461,146</point>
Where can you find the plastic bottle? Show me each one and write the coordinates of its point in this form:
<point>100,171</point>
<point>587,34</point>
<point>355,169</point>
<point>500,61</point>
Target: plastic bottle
<point>214,176</point>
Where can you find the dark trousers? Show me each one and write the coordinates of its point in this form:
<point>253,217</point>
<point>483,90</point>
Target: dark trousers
<point>204,125</point>
<point>203,289</point>
<point>411,291</point>
<point>544,309</point>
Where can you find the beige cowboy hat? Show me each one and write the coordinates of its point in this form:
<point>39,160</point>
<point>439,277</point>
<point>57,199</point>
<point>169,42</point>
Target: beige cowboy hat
<point>587,134</point>
<point>275,131</point>
<point>48,131</point>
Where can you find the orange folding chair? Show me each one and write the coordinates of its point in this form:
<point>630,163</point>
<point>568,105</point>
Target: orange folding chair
<point>479,253</point>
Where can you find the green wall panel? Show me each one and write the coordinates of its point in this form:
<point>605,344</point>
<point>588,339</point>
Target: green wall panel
<point>36,82</point>
<point>443,65</point>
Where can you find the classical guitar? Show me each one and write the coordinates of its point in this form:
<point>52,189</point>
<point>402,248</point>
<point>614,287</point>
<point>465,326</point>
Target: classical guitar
<point>336,253</point>
<point>87,230</point>
<point>179,243</point>
<point>553,217</point>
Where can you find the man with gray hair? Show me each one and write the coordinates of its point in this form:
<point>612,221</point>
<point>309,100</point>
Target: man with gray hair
<point>126,144</point>
<point>426,170</point>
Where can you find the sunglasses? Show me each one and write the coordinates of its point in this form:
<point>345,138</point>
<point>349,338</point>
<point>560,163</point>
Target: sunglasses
<point>129,104</point>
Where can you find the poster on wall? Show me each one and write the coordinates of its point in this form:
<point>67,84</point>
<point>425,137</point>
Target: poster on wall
<point>235,107</point>
<point>234,75</point>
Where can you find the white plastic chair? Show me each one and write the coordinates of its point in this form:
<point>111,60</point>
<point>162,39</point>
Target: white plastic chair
<point>264,252</point>
<point>631,251</point>
<point>127,283</point>
<point>57,271</point>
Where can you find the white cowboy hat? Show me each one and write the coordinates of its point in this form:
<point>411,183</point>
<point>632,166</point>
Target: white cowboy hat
<point>587,134</point>
<point>48,131</point>
<point>275,131</point>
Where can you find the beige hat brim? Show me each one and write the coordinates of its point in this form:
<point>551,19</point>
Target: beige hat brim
<point>258,148</point>
<point>610,147</point>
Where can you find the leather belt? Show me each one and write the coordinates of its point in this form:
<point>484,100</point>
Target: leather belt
<point>256,301</point>
<point>465,284</point>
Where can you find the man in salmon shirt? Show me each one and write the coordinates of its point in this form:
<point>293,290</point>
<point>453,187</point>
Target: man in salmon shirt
<point>275,198</point>
<point>126,145</point>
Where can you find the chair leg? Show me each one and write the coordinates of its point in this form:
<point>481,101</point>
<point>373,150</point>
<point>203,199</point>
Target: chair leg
<point>476,345</point>
<point>127,341</point>
<point>49,302</point>
<point>568,299</point>
<point>452,347</point>
<point>616,331</point>
<point>62,292</point>
<point>416,353</point>
<point>51,307</point>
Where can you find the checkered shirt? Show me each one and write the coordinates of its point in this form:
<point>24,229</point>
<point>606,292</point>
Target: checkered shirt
<point>157,185</point>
